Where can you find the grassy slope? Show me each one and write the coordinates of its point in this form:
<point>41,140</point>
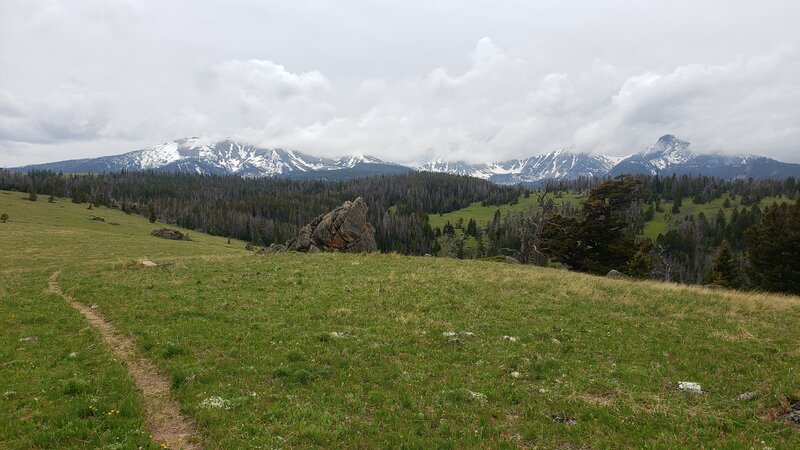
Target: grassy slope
<point>659,223</point>
<point>48,395</point>
<point>255,332</point>
<point>483,214</point>
<point>652,229</point>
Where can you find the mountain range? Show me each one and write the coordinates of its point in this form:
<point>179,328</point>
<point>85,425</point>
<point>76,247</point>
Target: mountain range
<point>668,156</point>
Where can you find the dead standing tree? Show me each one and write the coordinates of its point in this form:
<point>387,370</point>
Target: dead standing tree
<point>528,225</point>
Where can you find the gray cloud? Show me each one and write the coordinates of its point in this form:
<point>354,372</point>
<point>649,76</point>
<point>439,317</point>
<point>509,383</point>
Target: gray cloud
<point>459,80</point>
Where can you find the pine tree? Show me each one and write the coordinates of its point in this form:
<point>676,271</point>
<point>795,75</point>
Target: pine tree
<point>472,228</point>
<point>774,249</point>
<point>640,265</point>
<point>725,268</point>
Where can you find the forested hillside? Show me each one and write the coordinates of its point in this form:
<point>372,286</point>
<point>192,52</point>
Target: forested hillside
<point>268,210</point>
<point>709,230</point>
<point>752,239</point>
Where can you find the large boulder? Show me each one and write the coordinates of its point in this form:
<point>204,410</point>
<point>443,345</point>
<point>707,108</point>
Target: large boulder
<point>344,229</point>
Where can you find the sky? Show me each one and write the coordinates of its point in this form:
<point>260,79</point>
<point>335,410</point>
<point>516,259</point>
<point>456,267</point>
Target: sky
<point>404,81</point>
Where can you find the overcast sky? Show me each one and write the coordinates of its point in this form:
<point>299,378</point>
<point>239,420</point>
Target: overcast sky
<point>404,81</point>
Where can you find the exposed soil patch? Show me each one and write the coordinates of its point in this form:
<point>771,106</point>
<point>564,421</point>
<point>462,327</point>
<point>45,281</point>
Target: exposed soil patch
<point>162,413</point>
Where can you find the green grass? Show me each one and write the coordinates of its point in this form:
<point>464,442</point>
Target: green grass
<point>57,381</point>
<point>483,214</point>
<point>251,348</point>
<point>661,219</point>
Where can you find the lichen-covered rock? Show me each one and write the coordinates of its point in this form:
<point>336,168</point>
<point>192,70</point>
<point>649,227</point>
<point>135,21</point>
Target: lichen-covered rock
<point>344,229</point>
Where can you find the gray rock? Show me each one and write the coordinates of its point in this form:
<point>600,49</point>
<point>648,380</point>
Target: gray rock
<point>169,233</point>
<point>563,419</point>
<point>617,275</point>
<point>690,386</point>
<point>343,229</point>
<point>273,248</point>
<point>313,249</point>
<point>749,395</point>
<point>511,260</point>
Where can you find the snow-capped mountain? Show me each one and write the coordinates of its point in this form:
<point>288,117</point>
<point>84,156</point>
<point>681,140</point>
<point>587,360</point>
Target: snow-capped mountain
<point>671,155</point>
<point>195,155</point>
<point>559,164</point>
<point>669,152</point>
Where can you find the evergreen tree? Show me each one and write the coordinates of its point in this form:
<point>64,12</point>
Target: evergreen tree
<point>676,206</point>
<point>725,269</point>
<point>448,229</point>
<point>641,264</point>
<point>32,196</point>
<point>601,240</point>
<point>472,228</point>
<point>774,249</point>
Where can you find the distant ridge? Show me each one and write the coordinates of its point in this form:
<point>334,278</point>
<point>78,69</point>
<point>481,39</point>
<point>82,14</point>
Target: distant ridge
<point>669,155</point>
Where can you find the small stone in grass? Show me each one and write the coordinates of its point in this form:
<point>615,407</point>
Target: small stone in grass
<point>566,420</point>
<point>340,335</point>
<point>28,339</point>
<point>515,374</point>
<point>478,396</point>
<point>510,338</point>
<point>749,395</point>
<point>73,355</point>
<point>690,386</point>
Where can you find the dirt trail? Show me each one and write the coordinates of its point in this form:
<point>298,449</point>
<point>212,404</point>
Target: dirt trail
<point>162,413</point>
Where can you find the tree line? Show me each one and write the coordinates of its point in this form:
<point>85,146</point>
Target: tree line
<point>267,210</point>
<point>738,247</point>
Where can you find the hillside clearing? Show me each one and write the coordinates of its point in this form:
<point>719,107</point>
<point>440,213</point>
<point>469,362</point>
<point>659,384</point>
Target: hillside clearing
<point>336,350</point>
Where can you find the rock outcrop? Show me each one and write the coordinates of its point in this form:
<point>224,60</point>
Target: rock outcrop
<point>169,233</point>
<point>344,229</point>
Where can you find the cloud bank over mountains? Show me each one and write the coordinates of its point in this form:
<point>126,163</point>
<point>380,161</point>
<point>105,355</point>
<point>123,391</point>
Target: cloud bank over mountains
<point>91,78</point>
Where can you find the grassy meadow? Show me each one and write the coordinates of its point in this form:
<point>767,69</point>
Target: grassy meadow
<point>483,214</point>
<point>661,219</point>
<point>374,351</point>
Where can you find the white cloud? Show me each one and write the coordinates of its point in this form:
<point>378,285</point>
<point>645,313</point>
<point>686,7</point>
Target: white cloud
<point>92,77</point>
<point>64,115</point>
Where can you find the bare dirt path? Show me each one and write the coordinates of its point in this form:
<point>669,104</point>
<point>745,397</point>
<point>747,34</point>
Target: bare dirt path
<point>163,418</point>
